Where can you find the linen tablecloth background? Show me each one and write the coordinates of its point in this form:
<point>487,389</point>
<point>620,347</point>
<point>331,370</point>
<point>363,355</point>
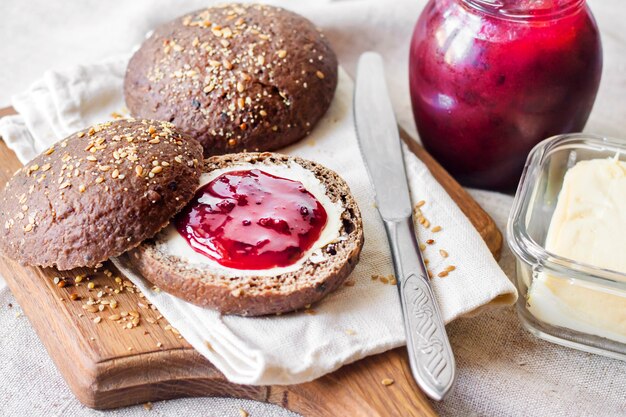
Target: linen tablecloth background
<point>502,370</point>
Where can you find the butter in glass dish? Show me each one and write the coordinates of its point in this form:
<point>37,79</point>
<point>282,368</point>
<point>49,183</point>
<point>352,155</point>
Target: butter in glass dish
<point>567,229</point>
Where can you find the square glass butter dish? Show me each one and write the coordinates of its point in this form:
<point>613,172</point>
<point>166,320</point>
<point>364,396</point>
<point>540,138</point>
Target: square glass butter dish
<point>566,232</point>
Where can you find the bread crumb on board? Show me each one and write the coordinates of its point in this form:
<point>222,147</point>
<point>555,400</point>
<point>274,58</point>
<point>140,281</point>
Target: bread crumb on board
<point>387,381</point>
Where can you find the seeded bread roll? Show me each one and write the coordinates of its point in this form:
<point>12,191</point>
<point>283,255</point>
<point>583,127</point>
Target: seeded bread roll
<point>236,77</point>
<point>260,295</point>
<point>97,193</point>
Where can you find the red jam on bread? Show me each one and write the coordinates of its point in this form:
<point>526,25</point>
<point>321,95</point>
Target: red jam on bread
<point>252,220</point>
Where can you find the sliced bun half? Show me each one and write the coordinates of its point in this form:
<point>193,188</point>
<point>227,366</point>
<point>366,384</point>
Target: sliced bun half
<point>182,272</point>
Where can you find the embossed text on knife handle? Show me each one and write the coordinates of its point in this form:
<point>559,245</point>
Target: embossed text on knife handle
<point>430,354</point>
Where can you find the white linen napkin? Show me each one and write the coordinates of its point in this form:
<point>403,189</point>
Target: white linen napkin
<point>355,321</point>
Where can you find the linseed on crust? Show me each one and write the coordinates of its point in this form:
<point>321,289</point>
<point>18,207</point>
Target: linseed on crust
<point>81,201</point>
<point>236,77</point>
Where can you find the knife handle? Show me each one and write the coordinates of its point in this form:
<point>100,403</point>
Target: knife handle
<point>430,354</point>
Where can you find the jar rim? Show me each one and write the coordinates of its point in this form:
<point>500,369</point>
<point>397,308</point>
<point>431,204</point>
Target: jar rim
<point>503,9</point>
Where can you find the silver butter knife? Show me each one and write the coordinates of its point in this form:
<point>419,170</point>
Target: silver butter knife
<point>430,354</point>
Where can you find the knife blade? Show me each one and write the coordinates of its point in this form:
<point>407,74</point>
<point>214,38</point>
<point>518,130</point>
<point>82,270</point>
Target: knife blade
<point>430,355</point>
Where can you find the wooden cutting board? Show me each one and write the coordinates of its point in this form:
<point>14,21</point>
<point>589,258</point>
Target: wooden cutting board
<point>108,365</point>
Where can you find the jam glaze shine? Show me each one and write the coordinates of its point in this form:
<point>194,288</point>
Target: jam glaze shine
<point>252,220</point>
<point>490,79</point>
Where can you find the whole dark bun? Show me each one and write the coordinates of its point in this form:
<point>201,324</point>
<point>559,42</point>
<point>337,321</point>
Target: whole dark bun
<point>236,77</point>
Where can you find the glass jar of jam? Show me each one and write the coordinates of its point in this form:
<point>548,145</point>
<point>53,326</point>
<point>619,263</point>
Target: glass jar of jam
<point>491,78</point>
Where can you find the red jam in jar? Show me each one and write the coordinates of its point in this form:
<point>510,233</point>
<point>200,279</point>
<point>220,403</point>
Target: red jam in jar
<point>250,219</point>
<point>491,78</point>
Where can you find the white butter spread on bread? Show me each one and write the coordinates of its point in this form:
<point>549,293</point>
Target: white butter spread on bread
<point>174,244</point>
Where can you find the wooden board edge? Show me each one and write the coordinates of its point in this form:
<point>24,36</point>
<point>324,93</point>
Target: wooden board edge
<point>172,373</point>
<point>77,366</point>
<point>351,384</point>
<point>7,111</point>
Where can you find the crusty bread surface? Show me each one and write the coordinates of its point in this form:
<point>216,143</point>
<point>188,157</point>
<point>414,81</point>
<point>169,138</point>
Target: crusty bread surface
<point>98,193</point>
<point>236,77</point>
